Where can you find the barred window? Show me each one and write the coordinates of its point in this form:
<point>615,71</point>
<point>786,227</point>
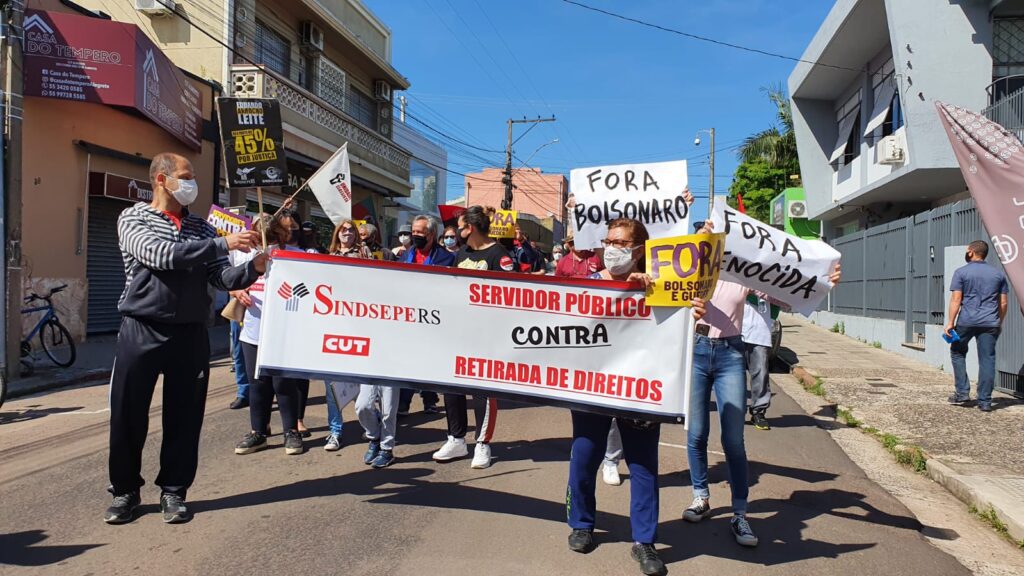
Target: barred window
<point>362,108</point>
<point>272,49</point>
<point>331,83</point>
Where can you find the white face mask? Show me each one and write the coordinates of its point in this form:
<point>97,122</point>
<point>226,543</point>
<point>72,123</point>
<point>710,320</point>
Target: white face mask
<point>187,191</point>
<point>557,256</point>
<point>405,239</point>
<point>618,260</point>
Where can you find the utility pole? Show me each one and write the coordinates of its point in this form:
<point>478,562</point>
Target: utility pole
<point>711,186</point>
<point>506,202</point>
<point>12,86</point>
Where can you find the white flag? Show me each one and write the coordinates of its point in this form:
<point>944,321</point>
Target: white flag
<point>332,186</point>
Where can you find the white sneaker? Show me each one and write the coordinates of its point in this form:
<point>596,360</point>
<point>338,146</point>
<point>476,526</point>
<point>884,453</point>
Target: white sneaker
<point>453,449</point>
<point>481,456</point>
<point>610,474</point>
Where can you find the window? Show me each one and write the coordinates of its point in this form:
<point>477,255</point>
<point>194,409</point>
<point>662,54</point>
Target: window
<point>852,148</point>
<point>331,83</point>
<point>362,108</point>
<point>424,186</point>
<point>272,49</point>
<point>848,136</point>
<point>894,119</point>
<point>1007,56</point>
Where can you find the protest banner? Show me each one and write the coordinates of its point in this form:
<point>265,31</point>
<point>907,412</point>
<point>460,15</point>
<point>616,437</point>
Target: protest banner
<point>683,268</point>
<point>226,222</point>
<point>585,344</point>
<point>788,269</point>
<point>503,225</point>
<point>332,186</point>
<point>253,142</point>
<point>650,193</point>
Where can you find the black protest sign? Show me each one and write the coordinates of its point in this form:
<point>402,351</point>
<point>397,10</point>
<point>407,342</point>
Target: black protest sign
<point>253,142</point>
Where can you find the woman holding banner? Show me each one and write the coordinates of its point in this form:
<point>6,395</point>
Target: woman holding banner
<point>263,389</point>
<point>624,262</point>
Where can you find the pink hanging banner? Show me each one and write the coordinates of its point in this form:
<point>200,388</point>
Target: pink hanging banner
<point>992,161</point>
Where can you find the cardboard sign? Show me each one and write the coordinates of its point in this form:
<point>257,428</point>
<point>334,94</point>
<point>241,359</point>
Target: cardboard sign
<point>786,268</point>
<point>253,142</point>
<point>226,222</point>
<point>585,344</point>
<point>683,268</point>
<point>650,193</point>
<point>503,225</point>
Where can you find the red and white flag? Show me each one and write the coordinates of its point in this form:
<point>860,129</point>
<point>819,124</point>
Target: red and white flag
<point>332,186</point>
<point>992,161</point>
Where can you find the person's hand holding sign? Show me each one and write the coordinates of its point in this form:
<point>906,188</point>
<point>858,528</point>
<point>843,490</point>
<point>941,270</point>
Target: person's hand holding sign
<point>698,308</point>
<point>242,296</point>
<point>641,279</point>
<point>687,197</point>
<point>836,274</point>
<point>244,240</point>
<point>260,262</point>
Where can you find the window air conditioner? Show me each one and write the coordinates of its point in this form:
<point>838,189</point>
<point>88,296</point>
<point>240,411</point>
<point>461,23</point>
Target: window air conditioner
<point>382,91</point>
<point>889,151</point>
<point>155,7</point>
<point>797,209</point>
<point>312,37</point>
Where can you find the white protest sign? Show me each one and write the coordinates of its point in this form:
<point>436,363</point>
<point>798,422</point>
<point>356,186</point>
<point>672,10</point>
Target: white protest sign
<point>790,270</point>
<point>588,344</point>
<point>650,193</point>
<point>332,186</point>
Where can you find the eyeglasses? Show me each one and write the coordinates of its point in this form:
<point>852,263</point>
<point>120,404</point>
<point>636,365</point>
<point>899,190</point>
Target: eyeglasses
<point>616,244</point>
<point>446,237</point>
<point>349,230</point>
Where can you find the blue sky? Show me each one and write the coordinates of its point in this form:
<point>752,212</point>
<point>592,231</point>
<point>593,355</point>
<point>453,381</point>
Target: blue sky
<point>621,92</point>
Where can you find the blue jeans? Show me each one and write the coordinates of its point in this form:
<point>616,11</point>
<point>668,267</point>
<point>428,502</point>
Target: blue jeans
<point>241,377</point>
<point>986,338</point>
<point>718,364</point>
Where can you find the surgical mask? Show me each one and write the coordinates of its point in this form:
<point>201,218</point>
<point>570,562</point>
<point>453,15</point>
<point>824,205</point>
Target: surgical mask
<point>618,260</point>
<point>449,242</point>
<point>557,256</point>
<point>187,191</point>
<point>420,242</point>
<point>405,240</point>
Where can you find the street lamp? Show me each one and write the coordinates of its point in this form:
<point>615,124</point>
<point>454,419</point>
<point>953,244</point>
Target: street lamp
<point>696,142</point>
<point>539,148</point>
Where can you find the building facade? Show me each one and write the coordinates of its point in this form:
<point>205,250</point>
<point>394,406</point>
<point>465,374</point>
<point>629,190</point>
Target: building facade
<point>428,175</point>
<point>539,198</point>
<point>328,63</point>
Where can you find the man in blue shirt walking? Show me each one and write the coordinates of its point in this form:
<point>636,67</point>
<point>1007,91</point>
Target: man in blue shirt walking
<point>976,310</point>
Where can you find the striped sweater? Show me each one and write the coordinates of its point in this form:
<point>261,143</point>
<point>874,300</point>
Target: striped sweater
<point>167,270</point>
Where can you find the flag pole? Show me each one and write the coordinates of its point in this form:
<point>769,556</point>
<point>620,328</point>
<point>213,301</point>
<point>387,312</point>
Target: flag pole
<point>263,225</point>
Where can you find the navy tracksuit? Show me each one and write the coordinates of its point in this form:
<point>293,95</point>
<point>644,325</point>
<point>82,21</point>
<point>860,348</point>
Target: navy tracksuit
<point>640,449</point>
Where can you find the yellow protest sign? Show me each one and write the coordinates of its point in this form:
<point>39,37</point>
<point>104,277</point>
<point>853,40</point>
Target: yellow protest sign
<point>683,268</point>
<point>359,223</point>
<point>503,225</point>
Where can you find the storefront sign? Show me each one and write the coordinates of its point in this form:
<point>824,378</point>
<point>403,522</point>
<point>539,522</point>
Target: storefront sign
<point>253,142</point>
<point>72,57</point>
<point>226,222</point>
<point>587,344</point>
<point>119,187</point>
<point>650,193</point>
<point>789,269</point>
<point>683,268</point>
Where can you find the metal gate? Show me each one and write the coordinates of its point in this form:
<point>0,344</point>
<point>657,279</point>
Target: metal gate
<point>104,266</point>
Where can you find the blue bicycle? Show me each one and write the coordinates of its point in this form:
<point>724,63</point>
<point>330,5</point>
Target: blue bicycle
<point>53,336</point>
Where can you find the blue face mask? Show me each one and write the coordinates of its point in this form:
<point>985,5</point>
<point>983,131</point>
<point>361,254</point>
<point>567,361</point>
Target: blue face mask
<point>449,242</point>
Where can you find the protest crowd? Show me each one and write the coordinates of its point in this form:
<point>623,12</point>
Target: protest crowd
<point>171,256</point>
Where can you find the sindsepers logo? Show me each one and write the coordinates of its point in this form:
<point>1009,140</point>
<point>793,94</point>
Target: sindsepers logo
<point>326,304</point>
<point>293,294</point>
<point>347,345</point>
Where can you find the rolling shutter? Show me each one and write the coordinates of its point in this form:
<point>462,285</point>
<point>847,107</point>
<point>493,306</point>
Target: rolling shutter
<point>104,266</point>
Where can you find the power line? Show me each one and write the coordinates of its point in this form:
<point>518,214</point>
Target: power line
<point>706,39</point>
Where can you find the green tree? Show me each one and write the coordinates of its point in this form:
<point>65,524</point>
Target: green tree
<point>767,160</point>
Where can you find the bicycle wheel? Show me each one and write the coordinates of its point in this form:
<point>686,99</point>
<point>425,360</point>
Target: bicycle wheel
<point>58,344</point>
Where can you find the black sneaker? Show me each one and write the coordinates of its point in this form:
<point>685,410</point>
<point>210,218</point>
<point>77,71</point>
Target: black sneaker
<point>759,421</point>
<point>984,407</point>
<point>742,532</point>
<point>252,442</point>
<point>581,540</point>
<point>698,510</point>
<point>431,409</point>
<point>238,403</point>
<point>122,509</point>
<point>293,443</point>
<point>958,400</point>
<point>647,556</point>
<point>173,508</point>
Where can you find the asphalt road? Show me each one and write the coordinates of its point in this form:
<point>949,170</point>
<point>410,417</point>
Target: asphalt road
<point>320,513</point>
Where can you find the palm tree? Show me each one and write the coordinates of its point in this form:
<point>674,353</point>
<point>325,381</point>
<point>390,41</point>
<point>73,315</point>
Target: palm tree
<point>775,146</point>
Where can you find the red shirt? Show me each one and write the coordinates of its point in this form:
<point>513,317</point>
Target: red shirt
<point>571,266</point>
<point>176,218</point>
<point>420,257</point>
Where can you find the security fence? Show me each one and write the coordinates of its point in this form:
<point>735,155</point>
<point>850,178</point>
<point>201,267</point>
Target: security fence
<point>895,271</point>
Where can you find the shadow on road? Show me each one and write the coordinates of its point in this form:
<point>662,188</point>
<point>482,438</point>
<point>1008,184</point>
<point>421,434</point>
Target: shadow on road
<point>32,413</point>
<point>19,549</point>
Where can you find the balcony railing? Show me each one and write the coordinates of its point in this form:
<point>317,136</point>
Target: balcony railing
<point>258,82</point>
<point>1008,112</point>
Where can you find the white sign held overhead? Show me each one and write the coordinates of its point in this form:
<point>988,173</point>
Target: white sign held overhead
<point>790,270</point>
<point>650,193</point>
<point>585,344</point>
<point>332,186</point>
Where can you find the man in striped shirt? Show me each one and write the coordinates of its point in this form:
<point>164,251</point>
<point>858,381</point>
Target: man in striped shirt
<point>169,256</point>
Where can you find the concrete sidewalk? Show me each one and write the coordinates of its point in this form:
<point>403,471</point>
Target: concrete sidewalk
<point>94,361</point>
<point>977,456</point>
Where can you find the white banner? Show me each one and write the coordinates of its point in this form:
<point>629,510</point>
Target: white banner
<point>650,193</point>
<point>332,186</point>
<point>786,268</point>
<point>587,344</point>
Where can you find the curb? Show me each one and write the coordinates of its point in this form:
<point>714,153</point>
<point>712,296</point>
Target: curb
<point>962,487</point>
